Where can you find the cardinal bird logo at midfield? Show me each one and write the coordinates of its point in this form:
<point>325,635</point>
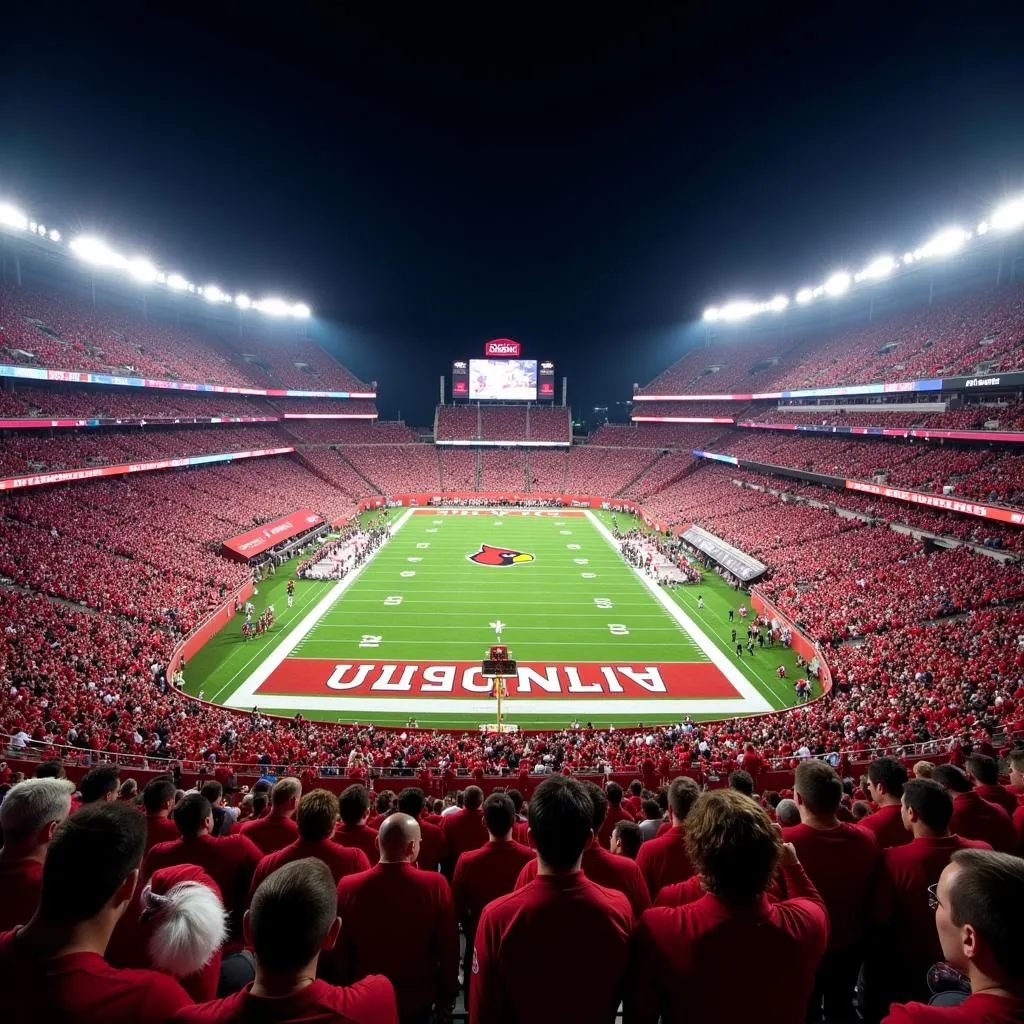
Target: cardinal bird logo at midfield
<point>490,555</point>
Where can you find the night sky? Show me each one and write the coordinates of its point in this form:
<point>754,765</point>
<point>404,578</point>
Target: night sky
<point>430,178</point>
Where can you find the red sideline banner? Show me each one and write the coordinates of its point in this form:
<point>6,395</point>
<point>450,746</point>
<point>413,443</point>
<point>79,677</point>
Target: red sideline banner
<point>962,505</point>
<point>246,545</point>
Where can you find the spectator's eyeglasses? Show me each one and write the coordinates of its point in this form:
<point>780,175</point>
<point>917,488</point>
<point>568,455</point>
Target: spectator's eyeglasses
<point>933,896</point>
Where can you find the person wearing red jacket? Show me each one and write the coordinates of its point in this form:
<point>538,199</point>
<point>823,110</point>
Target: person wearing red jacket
<point>229,860</point>
<point>354,806</point>
<point>973,817</point>
<point>29,816</point>
<point>293,919</point>
<point>983,771</point>
<point>559,910</point>
<point>157,800</point>
<point>905,943</point>
<point>979,904</point>
<point>464,829</point>
<point>433,847</point>
<point>616,813</point>
<point>277,830</point>
<point>664,859</point>
<point>886,778</point>
<point>684,958</point>
<point>316,821</point>
<point>606,869</point>
<point>842,861</point>
<point>399,921</point>
<point>52,969</point>
<point>481,876</point>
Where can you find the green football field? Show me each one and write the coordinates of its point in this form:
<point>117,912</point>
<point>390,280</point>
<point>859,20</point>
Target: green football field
<point>402,639</point>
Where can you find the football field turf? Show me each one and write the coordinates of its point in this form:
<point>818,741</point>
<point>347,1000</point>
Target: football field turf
<point>403,638</point>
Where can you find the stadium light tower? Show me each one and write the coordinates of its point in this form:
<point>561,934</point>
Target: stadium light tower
<point>12,217</point>
<point>1008,217</point>
<point>838,283</point>
<point>947,242</point>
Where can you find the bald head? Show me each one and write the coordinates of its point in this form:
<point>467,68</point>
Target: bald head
<point>399,838</point>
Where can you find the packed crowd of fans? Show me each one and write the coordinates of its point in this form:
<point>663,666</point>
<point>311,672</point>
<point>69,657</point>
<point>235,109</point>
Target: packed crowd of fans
<point>349,432</point>
<point>129,403</point>
<point>519,423</point>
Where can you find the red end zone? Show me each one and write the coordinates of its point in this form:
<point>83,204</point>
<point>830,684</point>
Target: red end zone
<point>319,677</point>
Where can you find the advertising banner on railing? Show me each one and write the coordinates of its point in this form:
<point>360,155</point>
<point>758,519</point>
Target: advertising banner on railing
<point>253,542</point>
<point>921,433</point>
<point>136,421</point>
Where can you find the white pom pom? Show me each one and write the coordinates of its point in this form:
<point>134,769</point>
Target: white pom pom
<point>188,930</point>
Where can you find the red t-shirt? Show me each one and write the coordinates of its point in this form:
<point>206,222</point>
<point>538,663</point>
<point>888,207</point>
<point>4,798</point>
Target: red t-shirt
<point>608,870</point>
<point>463,831</point>
<point>842,863</point>
<point>272,833</point>
<point>998,795</point>
<point>433,847</point>
<point>513,980</point>
<point>684,958</point>
<point>886,824</point>
<point>901,896</point>
<point>399,921</point>
<point>612,818</point>
<point>481,876</point>
<point>361,837</point>
<point>978,1009</point>
<point>370,1001</point>
<point>342,860</point>
<point>82,988</point>
<point>20,884</point>
<point>975,818</point>
<point>664,860</point>
<point>160,830</point>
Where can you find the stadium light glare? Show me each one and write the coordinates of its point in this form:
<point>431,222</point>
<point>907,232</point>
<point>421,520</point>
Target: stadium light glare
<point>214,294</point>
<point>96,251</point>
<point>804,295</point>
<point>878,268</point>
<point>12,217</point>
<point>142,270</point>
<point>838,283</point>
<point>54,235</point>
<point>177,282</point>
<point>243,301</point>
<point>983,228</point>
<point>778,304</point>
<point>301,311</point>
<point>273,307</point>
<point>712,313</point>
<point>1009,216</point>
<point>33,226</point>
<point>947,242</point>
<point>738,310</point>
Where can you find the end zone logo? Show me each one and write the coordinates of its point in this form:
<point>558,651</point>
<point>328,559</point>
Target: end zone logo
<point>488,555</point>
<point>503,347</point>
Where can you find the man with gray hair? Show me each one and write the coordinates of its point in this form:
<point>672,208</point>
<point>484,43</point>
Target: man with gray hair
<point>28,816</point>
<point>787,814</point>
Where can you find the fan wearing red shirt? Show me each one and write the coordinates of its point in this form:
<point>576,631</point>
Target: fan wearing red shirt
<point>905,944</point>
<point>53,969</point>
<point>521,829</point>
<point>973,817</point>
<point>842,861</point>
<point>602,867</point>
<point>481,876</point>
<point>354,806</point>
<point>229,860</point>
<point>983,771</point>
<point>399,921</point>
<point>277,830</point>
<point>464,830</point>
<point>616,813</point>
<point>559,910</point>
<point>316,820</point>
<point>634,803</point>
<point>293,918</point>
<point>664,859</point>
<point>979,904</point>
<point>684,965</point>
<point>158,800</point>
<point>1016,786</point>
<point>886,779</point>
<point>29,816</point>
<point>384,804</point>
<point>433,847</point>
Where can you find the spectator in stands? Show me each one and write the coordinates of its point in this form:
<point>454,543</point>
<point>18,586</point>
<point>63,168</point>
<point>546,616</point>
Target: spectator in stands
<point>787,813</point>
<point>923,769</point>
<point>634,803</point>
<point>684,957</point>
<point>652,820</point>
<point>354,805</point>
<point>842,861</point>
<point>482,875</point>
<point>421,957</point>
<point>29,816</point>
<point>316,821</point>
<point>983,771</point>
<point>465,829</point>
<point>100,783</point>
<point>128,792</point>
<point>223,815</point>
<point>433,847</point>
<point>742,782</point>
<point>979,904</point>
<point>886,777</point>
<point>665,859</point>
<point>293,919</point>
<point>53,968</point>
<point>278,829</point>
<point>157,801</point>
<point>616,813</point>
<point>973,817</point>
<point>626,840</point>
<point>553,912</point>
<point>905,944</point>
<point>229,860</point>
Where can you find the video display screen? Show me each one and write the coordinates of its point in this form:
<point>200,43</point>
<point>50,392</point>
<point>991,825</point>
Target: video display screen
<point>503,379</point>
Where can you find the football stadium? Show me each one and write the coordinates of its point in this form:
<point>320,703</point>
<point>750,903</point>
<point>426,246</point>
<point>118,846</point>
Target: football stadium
<point>312,710</point>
